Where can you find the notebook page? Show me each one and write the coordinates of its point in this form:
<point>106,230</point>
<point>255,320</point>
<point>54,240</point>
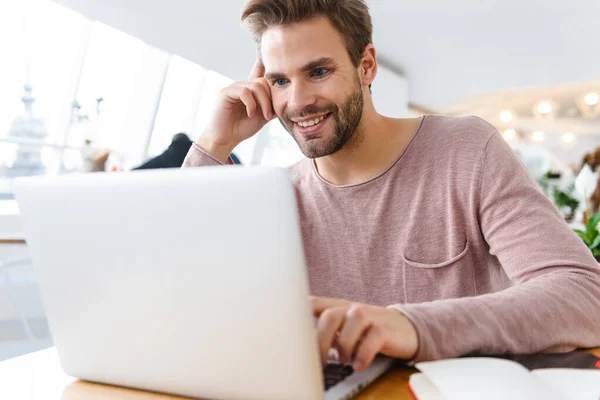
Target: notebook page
<point>422,388</point>
<point>485,378</point>
<point>572,384</point>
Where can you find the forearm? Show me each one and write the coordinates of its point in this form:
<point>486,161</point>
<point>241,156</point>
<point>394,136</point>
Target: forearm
<point>198,157</point>
<point>557,311</point>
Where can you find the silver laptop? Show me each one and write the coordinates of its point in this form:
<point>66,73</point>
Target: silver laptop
<point>191,282</point>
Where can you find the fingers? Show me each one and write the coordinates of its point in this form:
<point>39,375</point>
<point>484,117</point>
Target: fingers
<point>265,84</point>
<point>360,331</point>
<point>257,76</point>
<point>263,98</point>
<point>320,304</point>
<point>329,323</point>
<point>254,95</point>
<point>371,344</point>
<point>355,325</point>
<point>247,98</point>
<point>258,70</point>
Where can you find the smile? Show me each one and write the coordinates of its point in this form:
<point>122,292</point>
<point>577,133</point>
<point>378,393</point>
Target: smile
<point>311,122</point>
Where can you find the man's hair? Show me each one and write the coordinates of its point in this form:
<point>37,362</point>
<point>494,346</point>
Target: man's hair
<point>351,18</point>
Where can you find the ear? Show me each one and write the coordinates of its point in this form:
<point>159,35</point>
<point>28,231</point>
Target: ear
<point>368,65</point>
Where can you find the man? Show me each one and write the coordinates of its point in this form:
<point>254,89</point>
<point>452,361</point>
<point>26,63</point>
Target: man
<point>425,238</point>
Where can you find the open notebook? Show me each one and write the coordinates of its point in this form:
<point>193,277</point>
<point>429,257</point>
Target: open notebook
<point>494,378</point>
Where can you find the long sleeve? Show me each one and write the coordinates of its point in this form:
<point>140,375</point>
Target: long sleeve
<point>197,157</point>
<point>554,302</point>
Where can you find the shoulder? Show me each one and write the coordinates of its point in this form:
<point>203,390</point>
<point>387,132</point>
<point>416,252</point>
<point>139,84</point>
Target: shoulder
<point>466,132</point>
<point>473,147</point>
<point>459,147</point>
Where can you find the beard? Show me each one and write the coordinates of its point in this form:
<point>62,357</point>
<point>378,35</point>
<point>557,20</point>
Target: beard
<point>346,124</point>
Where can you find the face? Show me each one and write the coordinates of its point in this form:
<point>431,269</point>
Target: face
<point>316,90</point>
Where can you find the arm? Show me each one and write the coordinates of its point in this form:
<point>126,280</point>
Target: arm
<point>242,109</point>
<point>554,304</point>
<point>198,157</point>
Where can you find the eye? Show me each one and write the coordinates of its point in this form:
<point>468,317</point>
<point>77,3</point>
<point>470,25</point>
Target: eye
<point>280,82</point>
<point>320,72</point>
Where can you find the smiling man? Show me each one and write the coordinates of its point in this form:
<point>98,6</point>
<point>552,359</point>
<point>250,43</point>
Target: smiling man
<point>425,238</point>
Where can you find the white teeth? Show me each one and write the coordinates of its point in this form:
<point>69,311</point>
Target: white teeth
<point>313,122</point>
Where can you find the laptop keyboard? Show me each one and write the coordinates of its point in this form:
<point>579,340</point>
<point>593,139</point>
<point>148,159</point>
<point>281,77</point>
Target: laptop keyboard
<point>335,373</point>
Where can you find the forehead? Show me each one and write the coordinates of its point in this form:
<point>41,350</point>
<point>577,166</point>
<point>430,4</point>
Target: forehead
<point>288,48</point>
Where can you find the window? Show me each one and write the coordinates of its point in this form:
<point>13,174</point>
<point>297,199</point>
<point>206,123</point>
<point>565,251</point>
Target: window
<point>95,87</point>
<point>181,95</point>
<point>118,91</point>
<point>43,44</point>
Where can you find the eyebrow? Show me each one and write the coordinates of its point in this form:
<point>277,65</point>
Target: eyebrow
<point>305,68</point>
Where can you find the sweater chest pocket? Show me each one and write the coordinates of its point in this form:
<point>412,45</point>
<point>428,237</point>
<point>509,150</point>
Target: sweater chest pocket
<point>448,279</point>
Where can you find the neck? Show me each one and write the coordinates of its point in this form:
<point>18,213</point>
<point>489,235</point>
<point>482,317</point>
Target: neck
<point>374,146</point>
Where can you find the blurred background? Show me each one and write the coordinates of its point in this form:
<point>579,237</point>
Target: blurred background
<point>112,85</point>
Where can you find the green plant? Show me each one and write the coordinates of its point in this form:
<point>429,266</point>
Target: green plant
<point>591,236</point>
<point>561,198</point>
<point>545,184</point>
<point>564,199</point>
<point>77,114</point>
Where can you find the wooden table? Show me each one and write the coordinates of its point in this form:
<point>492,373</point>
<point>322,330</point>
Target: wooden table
<point>11,241</point>
<point>38,376</point>
<point>10,225</point>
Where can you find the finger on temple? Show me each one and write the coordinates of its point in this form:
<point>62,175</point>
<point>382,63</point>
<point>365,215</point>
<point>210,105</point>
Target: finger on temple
<point>247,98</point>
<point>265,103</point>
<point>258,71</point>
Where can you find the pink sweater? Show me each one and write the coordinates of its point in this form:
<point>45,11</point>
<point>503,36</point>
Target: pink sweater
<point>458,237</point>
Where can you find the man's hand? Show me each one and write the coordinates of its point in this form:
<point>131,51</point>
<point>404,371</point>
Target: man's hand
<point>242,109</point>
<point>360,331</point>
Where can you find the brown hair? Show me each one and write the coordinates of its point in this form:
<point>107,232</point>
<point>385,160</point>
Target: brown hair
<point>350,17</point>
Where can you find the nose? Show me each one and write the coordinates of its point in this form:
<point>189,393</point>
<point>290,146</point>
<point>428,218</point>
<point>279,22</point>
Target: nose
<point>301,96</point>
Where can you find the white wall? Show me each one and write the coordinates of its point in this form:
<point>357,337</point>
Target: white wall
<point>390,93</point>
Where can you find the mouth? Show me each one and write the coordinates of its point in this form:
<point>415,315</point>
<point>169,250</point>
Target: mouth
<point>311,125</point>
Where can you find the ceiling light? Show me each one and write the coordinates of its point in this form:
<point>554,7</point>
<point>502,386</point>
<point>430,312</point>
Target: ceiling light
<point>506,116</point>
<point>509,134</point>
<point>591,99</point>
<point>568,137</point>
<point>538,136</point>
<point>544,107</point>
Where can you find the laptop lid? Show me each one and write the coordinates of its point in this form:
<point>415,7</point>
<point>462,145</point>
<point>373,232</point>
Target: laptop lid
<point>190,281</point>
